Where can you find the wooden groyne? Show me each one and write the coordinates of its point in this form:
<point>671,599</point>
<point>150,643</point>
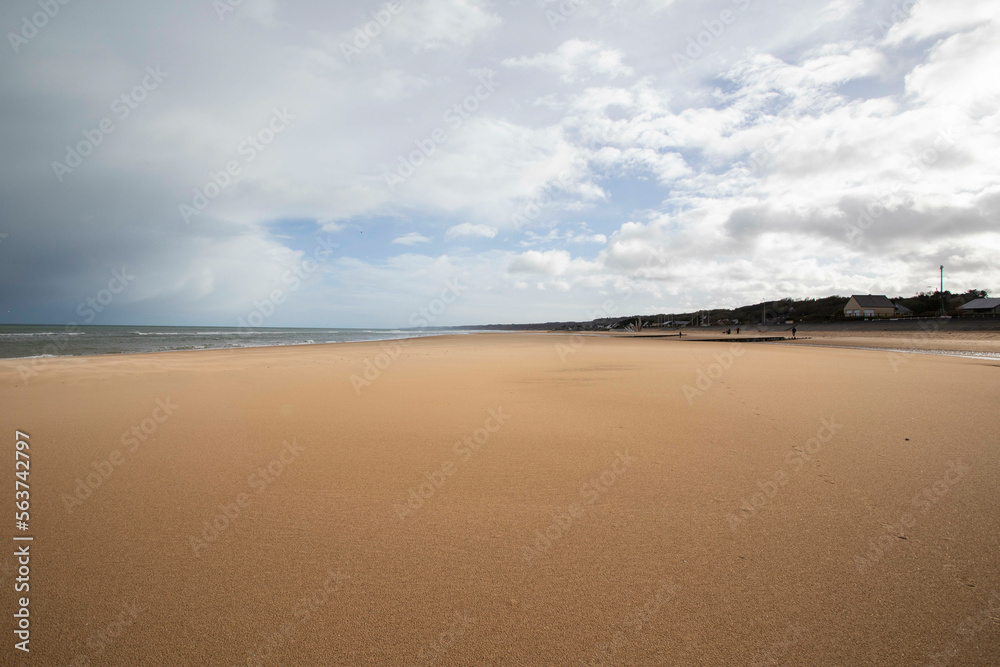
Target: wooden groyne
<point>728,339</point>
<point>755,339</point>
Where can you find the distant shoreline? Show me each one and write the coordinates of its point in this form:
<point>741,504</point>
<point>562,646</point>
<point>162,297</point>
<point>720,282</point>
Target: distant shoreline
<point>980,342</point>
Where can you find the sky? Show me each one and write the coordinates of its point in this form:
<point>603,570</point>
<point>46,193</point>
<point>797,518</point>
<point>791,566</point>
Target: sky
<point>450,162</point>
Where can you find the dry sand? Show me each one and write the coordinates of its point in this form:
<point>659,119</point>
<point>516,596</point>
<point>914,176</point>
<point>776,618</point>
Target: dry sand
<point>878,542</point>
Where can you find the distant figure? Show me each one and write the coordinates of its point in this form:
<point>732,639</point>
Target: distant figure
<point>737,330</point>
<point>729,331</point>
<point>793,332</point>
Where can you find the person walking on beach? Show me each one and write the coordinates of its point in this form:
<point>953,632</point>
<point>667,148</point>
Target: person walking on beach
<point>793,332</point>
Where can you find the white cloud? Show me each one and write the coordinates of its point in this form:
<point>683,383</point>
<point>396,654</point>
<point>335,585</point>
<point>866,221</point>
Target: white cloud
<point>494,169</point>
<point>588,238</point>
<point>839,9</point>
<point>746,174</point>
<point>552,262</point>
<point>330,225</point>
<point>930,18</point>
<point>961,70</point>
<point>576,59</point>
<point>413,238</point>
<point>432,25</point>
<point>467,229</point>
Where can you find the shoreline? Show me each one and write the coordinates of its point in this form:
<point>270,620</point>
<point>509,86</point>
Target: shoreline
<point>237,347</point>
<point>946,345</point>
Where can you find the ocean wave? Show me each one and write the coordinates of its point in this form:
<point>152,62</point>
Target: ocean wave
<point>103,342</point>
<point>234,332</point>
<point>45,333</point>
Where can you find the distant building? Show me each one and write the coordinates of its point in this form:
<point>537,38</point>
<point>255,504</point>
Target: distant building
<point>983,307</point>
<point>869,305</point>
<point>903,310</point>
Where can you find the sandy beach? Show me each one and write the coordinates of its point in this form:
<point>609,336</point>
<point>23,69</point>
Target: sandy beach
<point>511,499</point>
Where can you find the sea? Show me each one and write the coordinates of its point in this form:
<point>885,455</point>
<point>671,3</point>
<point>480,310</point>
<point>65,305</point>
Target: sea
<point>24,341</point>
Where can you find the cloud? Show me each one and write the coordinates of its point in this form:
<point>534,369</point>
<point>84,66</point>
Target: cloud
<point>394,84</point>
<point>467,229</point>
<point>576,59</point>
<point>413,238</point>
<point>588,238</point>
<point>492,169</point>
<point>795,156</point>
<point>331,225</point>
<point>437,25</point>
<point>932,18</point>
<point>551,262</point>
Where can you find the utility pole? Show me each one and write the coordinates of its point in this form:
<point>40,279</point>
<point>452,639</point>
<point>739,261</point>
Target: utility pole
<point>942,291</point>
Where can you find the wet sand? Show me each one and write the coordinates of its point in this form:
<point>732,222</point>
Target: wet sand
<point>510,499</point>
